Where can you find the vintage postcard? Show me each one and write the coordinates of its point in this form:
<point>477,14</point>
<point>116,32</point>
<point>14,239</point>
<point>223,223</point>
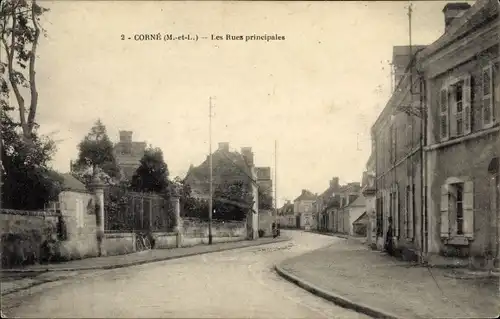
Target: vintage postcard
<point>250,159</point>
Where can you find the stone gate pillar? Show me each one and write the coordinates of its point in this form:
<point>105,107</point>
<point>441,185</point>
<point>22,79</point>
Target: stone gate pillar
<point>97,187</point>
<point>177,218</point>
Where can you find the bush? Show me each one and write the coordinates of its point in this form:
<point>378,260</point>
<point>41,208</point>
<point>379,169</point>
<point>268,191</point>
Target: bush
<point>261,233</point>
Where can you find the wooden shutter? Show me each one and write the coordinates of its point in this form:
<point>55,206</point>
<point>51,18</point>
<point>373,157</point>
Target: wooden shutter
<point>396,210</point>
<point>467,107</point>
<point>410,210</point>
<point>443,114</point>
<point>487,90</point>
<point>468,204</point>
<point>444,209</point>
<point>452,111</point>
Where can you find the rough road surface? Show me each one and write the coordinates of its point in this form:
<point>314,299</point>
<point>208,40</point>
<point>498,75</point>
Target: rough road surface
<point>231,284</point>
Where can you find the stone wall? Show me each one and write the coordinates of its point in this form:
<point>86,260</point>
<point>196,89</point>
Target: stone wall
<point>266,220</point>
<point>23,232</point>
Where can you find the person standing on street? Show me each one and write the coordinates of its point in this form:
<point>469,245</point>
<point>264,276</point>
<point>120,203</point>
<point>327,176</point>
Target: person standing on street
<point>388,238</point>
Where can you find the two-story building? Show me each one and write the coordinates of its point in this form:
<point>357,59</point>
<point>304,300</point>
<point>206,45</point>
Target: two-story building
<point>398,157</point>
<point>343,212</point>
<point>322,201</point>
<point>463,143</point>
<point>303,210</point>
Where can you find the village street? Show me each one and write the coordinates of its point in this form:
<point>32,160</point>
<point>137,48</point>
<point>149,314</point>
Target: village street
<point>232,284</point>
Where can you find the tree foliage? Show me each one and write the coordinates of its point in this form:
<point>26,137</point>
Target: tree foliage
<point>152,173</point>
<point>20,31</point>
<point>265,200</point>
<point>27,180</point>
<point>95,155</point>
<point>232,200</point>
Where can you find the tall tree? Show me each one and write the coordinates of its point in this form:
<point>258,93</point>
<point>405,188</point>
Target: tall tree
<point>20,32</point>
<point>96,153</point>
<point>152,174</point>
<point>265,200</point>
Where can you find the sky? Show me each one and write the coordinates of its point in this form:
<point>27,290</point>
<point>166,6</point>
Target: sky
<point>316,93</point>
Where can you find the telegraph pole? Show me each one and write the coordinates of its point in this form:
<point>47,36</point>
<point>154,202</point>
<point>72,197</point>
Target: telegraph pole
<point>276,182</point>
<point>210,202</point>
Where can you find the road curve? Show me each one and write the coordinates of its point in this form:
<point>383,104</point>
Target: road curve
<point>231,284</point>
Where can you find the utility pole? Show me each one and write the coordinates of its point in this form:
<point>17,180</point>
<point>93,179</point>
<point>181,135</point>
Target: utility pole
<point>276,182</point>
<point>210,202</point>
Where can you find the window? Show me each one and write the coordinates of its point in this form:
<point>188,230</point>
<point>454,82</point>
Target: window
<point>457,209</point>
<point>455,108</point>
<point>409,213</point>
<point>459,105</point>
<point>443,110</point>
<point>487,91</point>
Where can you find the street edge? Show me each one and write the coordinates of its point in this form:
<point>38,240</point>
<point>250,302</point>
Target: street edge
<point>338,300</point>
<point>41,282</point>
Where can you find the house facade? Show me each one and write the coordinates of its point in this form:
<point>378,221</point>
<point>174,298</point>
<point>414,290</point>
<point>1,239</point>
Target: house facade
<point>341,208</point>
<point>398,157</point>
<point>321,203</point>
<point>286,216</point>
<point>463,142</point>
<point>303,210</point>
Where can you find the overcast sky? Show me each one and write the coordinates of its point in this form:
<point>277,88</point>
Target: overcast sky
<point>317,92</point>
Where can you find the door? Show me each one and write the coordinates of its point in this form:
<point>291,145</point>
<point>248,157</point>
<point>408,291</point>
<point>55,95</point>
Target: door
<point>297,221</point>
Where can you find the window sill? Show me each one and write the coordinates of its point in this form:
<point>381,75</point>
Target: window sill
<point>457,240</point>
<point>461,139</point>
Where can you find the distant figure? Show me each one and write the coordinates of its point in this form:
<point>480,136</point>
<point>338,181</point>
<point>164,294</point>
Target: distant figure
<point>275,231</point>
<point>388,238</point>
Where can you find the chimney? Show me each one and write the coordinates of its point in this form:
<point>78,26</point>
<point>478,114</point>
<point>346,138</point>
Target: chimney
<point>452,11</point>
<point>126,136</point>
<point>247,154</point>
<point>224,146</point>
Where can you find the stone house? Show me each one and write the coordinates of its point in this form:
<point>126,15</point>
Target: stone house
<point>398,156</point>
<point>319,206</point>
<point>303,209</point>
<point>463,143</point>
<point>128,154</point>
<point>343,214</point>
<point>286,216</point>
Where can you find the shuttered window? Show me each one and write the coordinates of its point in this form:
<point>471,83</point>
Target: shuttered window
<point>444,212</point>
<point>457,210</point>
<point>467,105</point>
<point>487,91</point>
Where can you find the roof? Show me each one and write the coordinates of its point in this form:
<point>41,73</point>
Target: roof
<point>363,216</point>
<point>359,202</point>
<point>306,195</point>
<point>71,183</point>
<point>481,11</point>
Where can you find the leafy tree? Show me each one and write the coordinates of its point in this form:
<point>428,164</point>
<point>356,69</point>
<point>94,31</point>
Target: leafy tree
<point>96,156</point>
<point>20,31</point>
<point>232,200</point>
<point>190,206</point>
<point>152,174</point>
<point>27,180</point>
<point>265,200</point>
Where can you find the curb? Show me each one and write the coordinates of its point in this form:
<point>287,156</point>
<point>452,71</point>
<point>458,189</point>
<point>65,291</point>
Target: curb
<point>341,301</point>
<point>141,262</point>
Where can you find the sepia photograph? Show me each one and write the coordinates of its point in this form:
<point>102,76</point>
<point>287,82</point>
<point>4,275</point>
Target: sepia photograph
<point>250,159</point>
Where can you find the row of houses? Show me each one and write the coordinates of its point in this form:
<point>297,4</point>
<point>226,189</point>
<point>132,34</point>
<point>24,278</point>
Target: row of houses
<point>433,168</point>
<point>339,209</point>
